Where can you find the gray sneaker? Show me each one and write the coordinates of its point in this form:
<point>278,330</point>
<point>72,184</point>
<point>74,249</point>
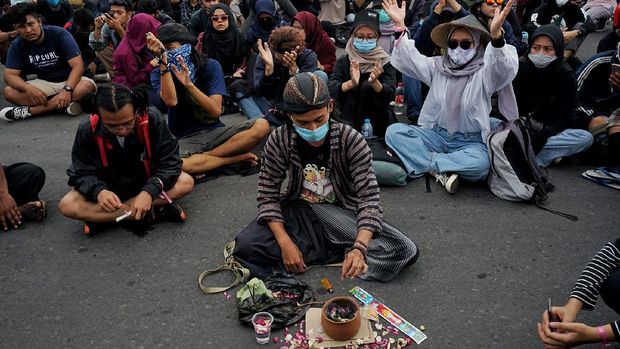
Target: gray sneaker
<point>15,113</point>
<point>448,181</point>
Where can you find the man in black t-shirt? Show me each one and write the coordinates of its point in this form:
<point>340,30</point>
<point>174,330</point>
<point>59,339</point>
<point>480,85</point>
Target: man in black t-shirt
<point>43,70</point>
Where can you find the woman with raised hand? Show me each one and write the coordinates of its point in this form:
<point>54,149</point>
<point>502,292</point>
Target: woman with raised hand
<point>454,121</point>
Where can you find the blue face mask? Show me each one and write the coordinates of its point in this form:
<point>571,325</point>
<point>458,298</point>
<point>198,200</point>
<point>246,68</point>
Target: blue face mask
<point>53,2</point>
<point>312,136</point>
<point>383,16</point>
<point>364,45</point>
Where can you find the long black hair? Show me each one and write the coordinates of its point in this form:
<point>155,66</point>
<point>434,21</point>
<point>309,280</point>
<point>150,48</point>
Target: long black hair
<point>113,97</point>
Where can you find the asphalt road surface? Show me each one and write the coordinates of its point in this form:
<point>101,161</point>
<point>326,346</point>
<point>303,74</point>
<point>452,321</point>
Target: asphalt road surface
<point>486,269</point>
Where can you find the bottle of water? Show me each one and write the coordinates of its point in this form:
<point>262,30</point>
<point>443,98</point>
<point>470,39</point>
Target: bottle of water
<point>399,100</point>
<point>367,129</point>
<point>525,37</point>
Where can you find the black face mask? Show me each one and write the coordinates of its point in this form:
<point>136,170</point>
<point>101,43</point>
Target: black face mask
<point>266,22</point>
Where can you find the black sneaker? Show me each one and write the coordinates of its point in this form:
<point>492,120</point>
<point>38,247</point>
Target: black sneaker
<point>170,213</point>
<point>15,113</point>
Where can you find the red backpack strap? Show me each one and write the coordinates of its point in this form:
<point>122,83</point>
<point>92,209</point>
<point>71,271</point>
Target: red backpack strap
<point>143,135</point>
<point>94,120</point>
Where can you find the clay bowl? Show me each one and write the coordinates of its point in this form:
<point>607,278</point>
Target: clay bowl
<point>341,331</point>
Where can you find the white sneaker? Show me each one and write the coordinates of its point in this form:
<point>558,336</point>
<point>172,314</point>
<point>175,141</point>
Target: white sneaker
<point>74,109</point>
<point>15,113</point>
<point>448,181</point>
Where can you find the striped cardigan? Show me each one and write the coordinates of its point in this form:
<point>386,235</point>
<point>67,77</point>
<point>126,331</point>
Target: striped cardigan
<point>587,287</point>
<point>351,174</point>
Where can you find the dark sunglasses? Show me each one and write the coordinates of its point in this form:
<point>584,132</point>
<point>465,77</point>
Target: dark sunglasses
<point>222,18</point>
<point>465,44</point>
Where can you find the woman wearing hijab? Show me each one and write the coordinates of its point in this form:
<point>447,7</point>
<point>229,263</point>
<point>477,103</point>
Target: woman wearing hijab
<point>454,120</point>
<point>132,61</point>
<point>317,40</point>
<point>546,91</point>
<point>223,42</point>
<point>363,80</point>
<point>265,22</point>
<point>331,210</point>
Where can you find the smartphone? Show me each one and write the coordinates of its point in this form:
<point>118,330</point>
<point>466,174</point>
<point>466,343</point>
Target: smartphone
<point>615,68</point>
<point>109,15</point>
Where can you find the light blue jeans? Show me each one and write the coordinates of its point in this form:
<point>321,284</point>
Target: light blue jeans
<point>434,150</point>
<point>566,143</point>
<point>253,106</point>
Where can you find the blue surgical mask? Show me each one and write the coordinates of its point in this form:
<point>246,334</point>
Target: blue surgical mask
<point>312,136</point>
<point>383,16</point>
<point>53,2</point>
<point>364,45</point>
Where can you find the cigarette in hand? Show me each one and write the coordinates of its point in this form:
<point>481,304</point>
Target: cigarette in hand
<point>123,216</point>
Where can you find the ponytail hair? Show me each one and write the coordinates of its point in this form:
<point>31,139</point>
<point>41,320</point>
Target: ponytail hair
<point>113,97</point>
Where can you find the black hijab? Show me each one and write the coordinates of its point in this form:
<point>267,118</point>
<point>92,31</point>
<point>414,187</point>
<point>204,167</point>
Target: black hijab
<point>227,47</point>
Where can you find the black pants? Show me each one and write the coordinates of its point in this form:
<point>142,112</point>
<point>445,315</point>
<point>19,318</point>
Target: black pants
<point>610,291</point>
<point>25,181</point>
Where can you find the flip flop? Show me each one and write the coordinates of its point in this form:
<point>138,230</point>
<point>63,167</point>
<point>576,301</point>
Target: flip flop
<point>605,182</point>
<point>606,173</point>
<point>32,213</point>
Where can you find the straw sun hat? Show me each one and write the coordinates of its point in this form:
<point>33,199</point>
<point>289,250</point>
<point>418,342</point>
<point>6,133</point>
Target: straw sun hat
<point>440,33</point>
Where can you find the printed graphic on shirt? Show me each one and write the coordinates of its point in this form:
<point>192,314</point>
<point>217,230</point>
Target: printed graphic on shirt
<point>45,60</point>
<point>316,187</point>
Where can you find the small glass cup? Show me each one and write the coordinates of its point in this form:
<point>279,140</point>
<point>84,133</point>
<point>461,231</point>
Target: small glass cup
<point>262,326</point>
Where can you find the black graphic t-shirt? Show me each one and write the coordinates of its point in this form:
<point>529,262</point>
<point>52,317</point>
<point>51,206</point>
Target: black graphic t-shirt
<point>47,60</point>
<point>316,187</point>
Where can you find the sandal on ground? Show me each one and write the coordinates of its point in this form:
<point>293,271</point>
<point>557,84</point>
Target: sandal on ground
<point>31,213</point>
<point>605,173</point>
<point>613,184</point>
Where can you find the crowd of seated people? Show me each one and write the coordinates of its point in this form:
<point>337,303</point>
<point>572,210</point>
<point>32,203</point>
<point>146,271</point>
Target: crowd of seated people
<point>179,66</point>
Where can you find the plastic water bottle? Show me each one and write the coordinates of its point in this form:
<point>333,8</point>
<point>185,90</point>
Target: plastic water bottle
<point>367,129</point>
<point>525,37</point>
<point>399,100</point>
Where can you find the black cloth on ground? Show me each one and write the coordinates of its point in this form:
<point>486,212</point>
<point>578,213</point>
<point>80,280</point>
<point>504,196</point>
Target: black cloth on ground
<point>25,181</point>
<point>257,249</point>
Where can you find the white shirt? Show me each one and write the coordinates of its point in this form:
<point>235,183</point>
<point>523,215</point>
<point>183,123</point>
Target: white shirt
<point>499,69</point>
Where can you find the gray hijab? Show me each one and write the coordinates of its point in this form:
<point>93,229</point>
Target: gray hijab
<point>460,76</point>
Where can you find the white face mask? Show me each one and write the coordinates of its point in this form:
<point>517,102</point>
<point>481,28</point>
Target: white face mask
<point>561,2</point>
<point>541,60</point>
<point>461,57</point>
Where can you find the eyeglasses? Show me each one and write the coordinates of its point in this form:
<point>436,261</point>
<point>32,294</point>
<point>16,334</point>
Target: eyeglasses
<point>222,18</point>
<point>465,44</point>
<point>498,2</point>
<point>118,127</point>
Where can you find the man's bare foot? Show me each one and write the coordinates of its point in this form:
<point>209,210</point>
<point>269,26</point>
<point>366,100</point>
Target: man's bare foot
<point>34,211</point>
<point>251,158</point>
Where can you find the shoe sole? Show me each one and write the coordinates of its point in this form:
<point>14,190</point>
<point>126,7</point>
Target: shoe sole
<point>452,184</point>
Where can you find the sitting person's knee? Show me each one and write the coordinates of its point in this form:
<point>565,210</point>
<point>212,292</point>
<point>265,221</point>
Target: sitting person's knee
<point>9,94</point>
<point>69,205</point>
<point>185,184</point>
<point>261,127</point>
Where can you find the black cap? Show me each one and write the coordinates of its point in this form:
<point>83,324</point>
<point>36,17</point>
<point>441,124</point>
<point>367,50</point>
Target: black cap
<point>367,18</point>
<point>171,32</point>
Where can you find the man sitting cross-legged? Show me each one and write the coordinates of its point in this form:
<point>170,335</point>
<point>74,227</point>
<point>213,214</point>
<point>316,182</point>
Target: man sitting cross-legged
<point>124,161</point>
<point>43,70</point>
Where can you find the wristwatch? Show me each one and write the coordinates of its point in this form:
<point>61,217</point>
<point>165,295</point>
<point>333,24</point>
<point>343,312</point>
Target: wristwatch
<point>68,88</point>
